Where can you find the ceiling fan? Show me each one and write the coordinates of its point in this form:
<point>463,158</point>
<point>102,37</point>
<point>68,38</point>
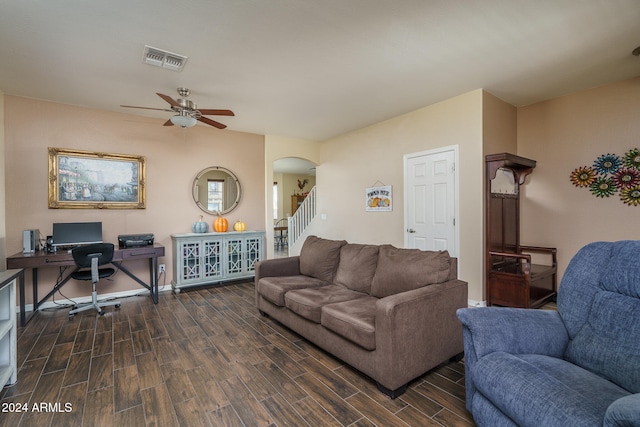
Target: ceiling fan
<point>187,111</point>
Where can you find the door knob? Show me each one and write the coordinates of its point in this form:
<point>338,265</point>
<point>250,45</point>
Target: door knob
<point>410,230</point>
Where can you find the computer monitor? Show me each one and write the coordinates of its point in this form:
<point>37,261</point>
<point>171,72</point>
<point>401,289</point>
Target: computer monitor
<point>69,234</point>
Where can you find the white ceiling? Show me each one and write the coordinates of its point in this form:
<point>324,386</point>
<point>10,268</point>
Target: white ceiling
<point>294,166</point>
<point>313,69</point>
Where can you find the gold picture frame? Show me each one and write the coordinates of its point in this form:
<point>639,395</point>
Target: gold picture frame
<point>95,180</point>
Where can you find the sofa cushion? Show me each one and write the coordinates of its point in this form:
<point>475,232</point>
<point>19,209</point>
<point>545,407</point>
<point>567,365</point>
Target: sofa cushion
<point>354,320</point>
<point>401,270</point>
<point>308,302</point>
<point>357,266</point>
<point>273,289</point>
<point>608,344</point>
<point>319,257</point>
<point>544,390</point>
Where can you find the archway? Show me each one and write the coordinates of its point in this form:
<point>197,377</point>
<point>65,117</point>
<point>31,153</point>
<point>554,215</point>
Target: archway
<point>293,177</point>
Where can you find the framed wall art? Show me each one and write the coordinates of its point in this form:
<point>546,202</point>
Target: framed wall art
<point>379,199</point>
<point>95,180</point>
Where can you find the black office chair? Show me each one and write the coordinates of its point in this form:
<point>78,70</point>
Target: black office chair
<point>88,258</point>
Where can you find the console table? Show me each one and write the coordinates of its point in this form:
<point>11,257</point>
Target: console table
<point>209,258</point>
<point>8,332</point>
<point>42,259</point>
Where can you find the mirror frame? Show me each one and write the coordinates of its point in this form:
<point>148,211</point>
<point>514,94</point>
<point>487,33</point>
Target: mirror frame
<point>216,168</point>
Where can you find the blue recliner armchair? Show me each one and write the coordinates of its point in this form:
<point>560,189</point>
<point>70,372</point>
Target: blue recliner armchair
<point>578,366</point>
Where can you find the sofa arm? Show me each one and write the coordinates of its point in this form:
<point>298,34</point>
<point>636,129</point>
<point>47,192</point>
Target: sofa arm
<point>512,330</point>
<point>275,267</point>
<point>624,412</point>
<point>417,330</point>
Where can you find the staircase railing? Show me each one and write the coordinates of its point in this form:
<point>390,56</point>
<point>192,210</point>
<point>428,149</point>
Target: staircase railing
<point>302,217</point>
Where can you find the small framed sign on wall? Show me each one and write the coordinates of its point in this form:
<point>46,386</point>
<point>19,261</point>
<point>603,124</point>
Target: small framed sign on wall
<point>379,199</point>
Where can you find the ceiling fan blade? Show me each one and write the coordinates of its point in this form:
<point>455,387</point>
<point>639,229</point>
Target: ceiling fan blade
<point>209,112</point>
<point>169,99</point>
<point>146,108</point>
<point>168,123</point>
<point>211,122</point>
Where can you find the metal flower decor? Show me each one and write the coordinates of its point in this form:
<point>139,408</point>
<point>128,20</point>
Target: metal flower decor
<point>626,177</point>
<point>603,187</point>
<point>632,158</point>
<point>611,174</point>
<point>631,195</point>
<point>583,176</point>
<point>607,163</point>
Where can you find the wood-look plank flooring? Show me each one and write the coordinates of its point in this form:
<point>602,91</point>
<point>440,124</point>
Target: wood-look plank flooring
<point>203,357</point>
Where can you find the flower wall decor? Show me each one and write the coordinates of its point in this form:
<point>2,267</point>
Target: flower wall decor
<point>611,174</point>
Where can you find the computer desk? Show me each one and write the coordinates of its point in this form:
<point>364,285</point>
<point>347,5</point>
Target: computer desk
<point>42,259</point>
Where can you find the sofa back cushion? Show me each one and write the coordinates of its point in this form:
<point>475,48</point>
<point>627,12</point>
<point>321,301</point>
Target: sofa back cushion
<point>401,270</point>
<point>608,341</point>
<point>319,257</point>
<point>357,266</point>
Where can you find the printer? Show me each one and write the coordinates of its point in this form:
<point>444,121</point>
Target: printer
<point>135,240</point>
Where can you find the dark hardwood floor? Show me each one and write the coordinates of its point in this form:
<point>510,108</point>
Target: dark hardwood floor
<point>204,357</point>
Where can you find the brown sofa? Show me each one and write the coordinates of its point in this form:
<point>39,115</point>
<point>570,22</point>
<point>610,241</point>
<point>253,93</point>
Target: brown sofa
<point>388,312</point>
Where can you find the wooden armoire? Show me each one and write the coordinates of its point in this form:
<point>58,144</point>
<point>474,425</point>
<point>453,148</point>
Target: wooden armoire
<point>512,280</point>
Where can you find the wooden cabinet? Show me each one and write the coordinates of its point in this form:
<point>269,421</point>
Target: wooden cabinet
<point>210,258</point>
<point>517,275</point>
<point>296,201</point>
<point>8,327</point>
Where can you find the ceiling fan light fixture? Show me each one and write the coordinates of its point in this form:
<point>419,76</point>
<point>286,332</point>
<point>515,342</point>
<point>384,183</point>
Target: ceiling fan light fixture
<point>183,121</point>
<point>186,112</point>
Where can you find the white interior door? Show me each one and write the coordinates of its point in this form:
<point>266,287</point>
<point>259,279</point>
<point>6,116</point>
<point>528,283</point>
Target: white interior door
<point>431,200</point>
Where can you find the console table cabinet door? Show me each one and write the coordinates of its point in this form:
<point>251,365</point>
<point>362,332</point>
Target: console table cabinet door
<point>208,258</point>
<point>8,327</point>
<point>242,254</point>
<point>212,263</point>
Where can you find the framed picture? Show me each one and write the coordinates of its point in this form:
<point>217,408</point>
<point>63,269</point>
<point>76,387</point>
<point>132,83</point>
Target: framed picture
<point>94,180</point>
<point>379,199</point>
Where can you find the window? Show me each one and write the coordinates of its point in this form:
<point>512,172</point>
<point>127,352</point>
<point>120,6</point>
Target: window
<point>275,200</point>
<point>215,194</point>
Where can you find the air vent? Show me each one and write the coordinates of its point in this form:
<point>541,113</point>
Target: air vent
<point>162,58</point>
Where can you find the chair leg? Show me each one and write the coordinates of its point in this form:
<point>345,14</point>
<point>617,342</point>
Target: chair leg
<point>94,304</point>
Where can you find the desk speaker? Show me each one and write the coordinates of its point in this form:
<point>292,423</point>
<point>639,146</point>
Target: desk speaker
<point>30,241</point>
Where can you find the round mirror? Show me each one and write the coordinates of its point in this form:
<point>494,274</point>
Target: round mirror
<point>216,189</point>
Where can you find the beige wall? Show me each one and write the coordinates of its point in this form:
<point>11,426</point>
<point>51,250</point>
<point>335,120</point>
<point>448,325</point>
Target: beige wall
<point>561,135</point>
<point>174,156</point>
<point>499,135</point>
<point>499,125</point>
<point>352,162</point>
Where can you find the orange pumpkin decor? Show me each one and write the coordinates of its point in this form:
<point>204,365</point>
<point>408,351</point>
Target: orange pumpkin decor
<point>220,224</point>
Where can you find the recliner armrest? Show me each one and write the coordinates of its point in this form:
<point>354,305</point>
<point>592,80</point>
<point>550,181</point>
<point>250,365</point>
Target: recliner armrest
<point>512,330</point>
<point>624,412</point>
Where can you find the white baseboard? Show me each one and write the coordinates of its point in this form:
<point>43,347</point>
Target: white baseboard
<point>80,300</point>
<point>474,303</point>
